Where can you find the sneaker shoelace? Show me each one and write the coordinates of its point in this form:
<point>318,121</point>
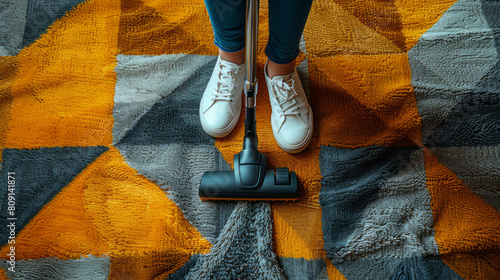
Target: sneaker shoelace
<point>226,81</point>
<point>284,92</point>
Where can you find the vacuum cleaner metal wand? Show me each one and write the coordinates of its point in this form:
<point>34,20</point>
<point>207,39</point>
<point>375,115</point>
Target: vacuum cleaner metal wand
<point>251,84</point>
<point>250,180</point>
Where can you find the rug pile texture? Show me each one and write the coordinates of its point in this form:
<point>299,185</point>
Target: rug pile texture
<point>102,150</point>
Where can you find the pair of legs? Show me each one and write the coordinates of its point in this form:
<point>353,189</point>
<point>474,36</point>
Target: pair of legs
<point>287,19</point>
<point>273,69</point>
<point>220,106</point>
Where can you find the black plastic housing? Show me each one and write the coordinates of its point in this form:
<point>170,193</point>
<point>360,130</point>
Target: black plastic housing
<point>250,180</point>
<point>222,185</point>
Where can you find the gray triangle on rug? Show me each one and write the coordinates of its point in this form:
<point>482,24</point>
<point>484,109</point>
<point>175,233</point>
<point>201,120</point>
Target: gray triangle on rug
<point>244,249</point>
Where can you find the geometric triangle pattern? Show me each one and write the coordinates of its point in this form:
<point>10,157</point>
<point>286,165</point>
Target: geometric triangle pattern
<point>100,122</point>
<point>152,240</point>
<point>143,81</point>
<point>376,218</point>
<point>175,113</point>
<point>475,166</point>
<point>41,14</point>
<point>451,78</point>
<point>464,223</point>
<point>243,249</point>
<point>166,103</point>
<point>37,176</point>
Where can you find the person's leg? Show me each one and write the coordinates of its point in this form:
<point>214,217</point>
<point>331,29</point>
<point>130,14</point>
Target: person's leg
<point>292,116</point>
<point>220,105</point>
<point>275,69</point>
<point>228,23</point>
<point>287,19</point>
<point>234,57</point>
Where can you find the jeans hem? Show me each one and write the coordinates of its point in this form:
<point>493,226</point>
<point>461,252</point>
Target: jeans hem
<point>281,61</point>
<point>226,49</point>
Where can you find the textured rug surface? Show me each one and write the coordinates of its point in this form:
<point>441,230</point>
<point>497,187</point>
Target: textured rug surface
<point>102,151</point>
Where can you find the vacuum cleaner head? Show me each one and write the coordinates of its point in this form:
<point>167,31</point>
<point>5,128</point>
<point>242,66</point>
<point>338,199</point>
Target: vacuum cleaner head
<point>276,186</point>
<point>250,180</point>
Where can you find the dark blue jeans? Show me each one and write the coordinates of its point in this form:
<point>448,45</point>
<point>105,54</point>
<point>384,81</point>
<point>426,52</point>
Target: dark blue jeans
<point>287,19</point>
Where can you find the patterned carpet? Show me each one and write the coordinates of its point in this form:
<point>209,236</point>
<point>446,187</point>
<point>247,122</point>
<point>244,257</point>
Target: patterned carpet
<point>102,149</point>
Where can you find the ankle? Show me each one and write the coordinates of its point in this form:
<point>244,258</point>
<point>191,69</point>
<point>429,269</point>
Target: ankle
<point>275,69</point>
<point>234,57</point>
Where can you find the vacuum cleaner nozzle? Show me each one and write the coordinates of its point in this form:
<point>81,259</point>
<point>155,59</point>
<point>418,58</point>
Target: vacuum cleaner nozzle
<point>222,185</point>
<point>250,180</point>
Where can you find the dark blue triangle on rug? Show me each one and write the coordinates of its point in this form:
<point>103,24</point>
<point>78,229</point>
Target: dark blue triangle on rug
<point>41,14</point>
<point>174,119</point>
<point>475,120</point>
<point>39,175</point>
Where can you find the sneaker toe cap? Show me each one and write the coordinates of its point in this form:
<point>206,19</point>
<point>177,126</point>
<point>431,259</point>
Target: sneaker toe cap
<point>217,124</point>
<point>218,121</point>
<point>294,134</point>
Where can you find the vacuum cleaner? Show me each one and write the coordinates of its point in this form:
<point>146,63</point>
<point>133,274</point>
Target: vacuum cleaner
<point>250,180</point>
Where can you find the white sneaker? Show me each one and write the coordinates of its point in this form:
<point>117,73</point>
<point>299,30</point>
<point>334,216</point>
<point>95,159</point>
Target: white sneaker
<point>220,105</point>
<point>292,117</point>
